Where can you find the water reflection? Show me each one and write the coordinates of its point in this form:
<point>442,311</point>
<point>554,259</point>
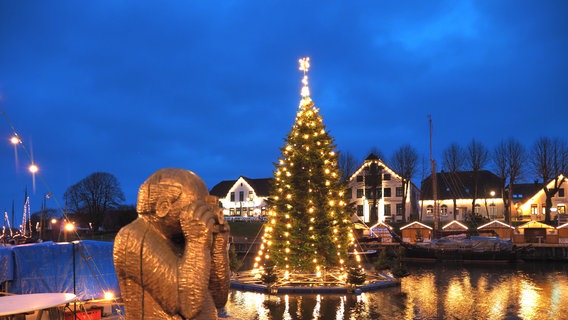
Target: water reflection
<point>433,291</point>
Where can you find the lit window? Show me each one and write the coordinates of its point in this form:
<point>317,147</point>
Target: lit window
<point>444,209</point>
<point>429,210</point>
<point>399,208</point>
<point>399,191</point>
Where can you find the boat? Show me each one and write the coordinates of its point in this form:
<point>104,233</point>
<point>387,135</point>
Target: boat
<point>473,249</point>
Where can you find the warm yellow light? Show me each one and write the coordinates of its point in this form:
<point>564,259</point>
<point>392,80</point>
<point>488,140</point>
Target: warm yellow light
<point>109,295</point>
<point>33,168</point>
<point>15,140</point>
<point>53,221</point>
<point>69,226</point>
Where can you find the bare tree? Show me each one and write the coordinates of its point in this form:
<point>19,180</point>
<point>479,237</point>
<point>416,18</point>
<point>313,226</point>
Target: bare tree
<point>454,158</point>
<point>478,156</point>
<point>405,162</point>
<point>508,158</point>
<point>347,164</point>
<point>93,196</point>
<point>549,159</point>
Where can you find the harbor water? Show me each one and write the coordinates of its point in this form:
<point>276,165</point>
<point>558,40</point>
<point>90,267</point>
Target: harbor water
<point>432,291</point>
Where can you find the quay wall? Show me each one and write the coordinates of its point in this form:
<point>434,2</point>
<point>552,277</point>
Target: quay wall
<point>544,252</point>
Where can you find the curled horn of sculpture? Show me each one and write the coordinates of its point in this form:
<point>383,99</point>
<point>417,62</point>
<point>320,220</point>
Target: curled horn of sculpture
<point>172,261</point>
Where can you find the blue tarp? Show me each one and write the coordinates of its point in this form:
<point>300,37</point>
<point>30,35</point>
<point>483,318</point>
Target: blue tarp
<point>85,268</point>
<point>6,264</point>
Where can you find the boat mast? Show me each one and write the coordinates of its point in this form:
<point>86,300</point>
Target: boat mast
<point>434,184</point>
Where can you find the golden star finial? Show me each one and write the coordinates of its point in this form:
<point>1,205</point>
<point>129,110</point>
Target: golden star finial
<point>305,66</point>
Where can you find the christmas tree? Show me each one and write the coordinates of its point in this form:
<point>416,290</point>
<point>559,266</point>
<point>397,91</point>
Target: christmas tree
<point>308,228</point>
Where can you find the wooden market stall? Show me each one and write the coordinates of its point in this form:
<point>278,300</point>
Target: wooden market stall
<point>563,233</point>
<point>382,232</point>
<point>416,232</point>
<point>498,229</point>
<point>454,228</point>
<point>535,232</point>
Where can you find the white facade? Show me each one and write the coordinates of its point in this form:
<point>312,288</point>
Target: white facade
<point>490,208</point>
<point>534,208</point>
<point>240,198</point>
<point>389,202</point>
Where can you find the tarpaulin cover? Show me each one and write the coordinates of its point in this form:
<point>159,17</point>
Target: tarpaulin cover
<point>6,264</point>
<point>85,268</point>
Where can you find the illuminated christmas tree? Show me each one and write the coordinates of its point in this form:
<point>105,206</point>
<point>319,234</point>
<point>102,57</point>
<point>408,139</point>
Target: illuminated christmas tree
<point>308,228</point>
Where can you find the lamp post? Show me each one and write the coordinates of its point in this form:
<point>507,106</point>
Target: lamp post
<point>492,205</point>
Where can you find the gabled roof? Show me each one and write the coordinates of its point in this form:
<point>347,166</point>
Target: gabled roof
<point>524,191</point>
<point>495,224</point>
<point>261,186</point>
<point>380,224</point>
<point>461,185</point>
<point>455,226</point>
<point>535,225</point>
<point>563,226</point>
<point>415,225</point>
<point>528,191</point>
<point>385,169</point>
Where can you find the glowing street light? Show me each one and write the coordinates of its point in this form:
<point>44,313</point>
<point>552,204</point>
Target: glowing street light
<point>109,295</point>
<point>15,140</point>
<point>33,169</point>
<point>69,227</point>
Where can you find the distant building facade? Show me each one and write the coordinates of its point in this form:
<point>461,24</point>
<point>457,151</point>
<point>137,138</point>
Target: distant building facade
<point>375,185</point>
<point>244,197</point>
<point>461,186</point>
<point>529,201</point>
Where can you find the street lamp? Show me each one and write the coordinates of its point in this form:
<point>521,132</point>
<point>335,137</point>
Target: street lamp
<point>69,227</point>
<point>492,205</point>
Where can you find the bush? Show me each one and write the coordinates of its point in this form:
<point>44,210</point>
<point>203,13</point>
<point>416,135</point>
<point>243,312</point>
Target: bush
<point>356,275</point>
<point>382,262</point>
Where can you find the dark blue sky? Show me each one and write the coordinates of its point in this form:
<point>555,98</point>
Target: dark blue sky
<point>129,87</point>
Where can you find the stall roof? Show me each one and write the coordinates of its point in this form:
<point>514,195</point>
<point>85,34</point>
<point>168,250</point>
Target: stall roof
<point>535,225</point>
<point>563,226</point>
<point>495,224</point>
<point>381,224</point>
<point>415,225</point>
<point>455,225</point>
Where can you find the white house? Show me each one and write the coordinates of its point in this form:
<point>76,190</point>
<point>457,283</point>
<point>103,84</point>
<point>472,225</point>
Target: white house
<point>530,201</point>
<point>244,197</point>
<point>461,187</point>
<point>388,195</point>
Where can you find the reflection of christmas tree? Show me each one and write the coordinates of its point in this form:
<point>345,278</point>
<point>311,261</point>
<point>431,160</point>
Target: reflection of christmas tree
<point>309,229</point>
